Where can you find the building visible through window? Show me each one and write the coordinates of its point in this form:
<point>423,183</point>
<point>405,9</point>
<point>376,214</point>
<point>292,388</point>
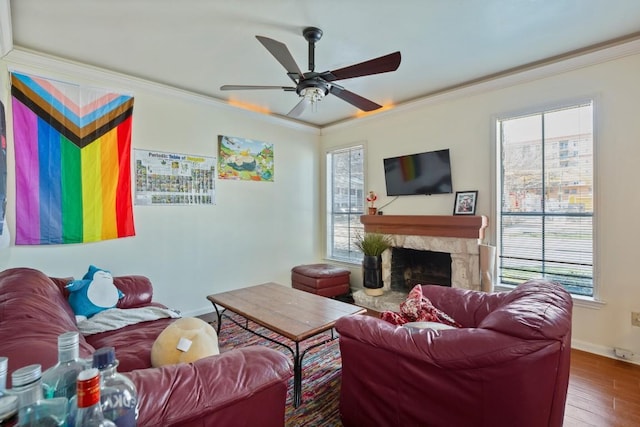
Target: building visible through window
<point>545,187</point>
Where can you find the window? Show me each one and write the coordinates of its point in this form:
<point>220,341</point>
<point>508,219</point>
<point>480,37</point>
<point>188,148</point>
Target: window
<point>345,202</point>
<point>545,220</point>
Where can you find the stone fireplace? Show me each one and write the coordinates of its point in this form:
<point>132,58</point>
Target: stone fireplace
<point>455,236</point>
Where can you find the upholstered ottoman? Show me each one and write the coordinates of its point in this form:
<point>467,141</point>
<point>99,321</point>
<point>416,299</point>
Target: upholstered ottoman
<point>321,279</point>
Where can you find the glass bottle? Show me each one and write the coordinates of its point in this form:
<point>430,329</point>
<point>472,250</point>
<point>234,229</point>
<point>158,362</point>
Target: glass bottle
<point>88,399</point>
<point>4,364</point>
<point>8,402</point>
<point>33,409</point>
<point>60,379</point>
<point>119,396</point>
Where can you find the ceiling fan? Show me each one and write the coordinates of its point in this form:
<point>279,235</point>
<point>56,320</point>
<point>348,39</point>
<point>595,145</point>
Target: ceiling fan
<point>312,86</point>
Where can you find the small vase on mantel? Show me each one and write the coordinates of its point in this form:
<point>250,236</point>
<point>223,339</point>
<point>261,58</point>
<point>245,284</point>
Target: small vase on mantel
<point>373,211</point>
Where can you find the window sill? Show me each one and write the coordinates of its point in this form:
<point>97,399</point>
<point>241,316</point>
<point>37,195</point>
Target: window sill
<point>344,262</point>
<point>588,302</point>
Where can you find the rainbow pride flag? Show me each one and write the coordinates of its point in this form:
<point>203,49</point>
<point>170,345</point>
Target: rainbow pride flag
<point>73,162</point>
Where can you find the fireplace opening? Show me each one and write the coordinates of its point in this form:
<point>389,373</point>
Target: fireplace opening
<point>410,267</point>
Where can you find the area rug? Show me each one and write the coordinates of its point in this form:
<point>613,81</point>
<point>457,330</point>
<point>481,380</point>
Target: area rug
<point>320,373</point>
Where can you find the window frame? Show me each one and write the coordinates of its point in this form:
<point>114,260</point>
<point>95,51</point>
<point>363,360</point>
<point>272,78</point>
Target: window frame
<point>354,255</point>
<point>593,301</point>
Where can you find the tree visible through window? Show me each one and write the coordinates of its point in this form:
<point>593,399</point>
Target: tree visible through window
<point>546,197</point>
<point>345,202</point>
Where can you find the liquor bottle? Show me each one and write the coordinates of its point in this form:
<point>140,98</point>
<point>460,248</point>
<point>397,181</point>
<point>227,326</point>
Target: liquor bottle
<point>33,409</point>
<point>88,399</point>
<point>119,396</point>
<point>60,379</point>
<point>4,364</point>
<point>8,402</point>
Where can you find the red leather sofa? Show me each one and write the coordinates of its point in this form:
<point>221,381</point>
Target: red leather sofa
<point>241,387</point>
<point>508,365</point>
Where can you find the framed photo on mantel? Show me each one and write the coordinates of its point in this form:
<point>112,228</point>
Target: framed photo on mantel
<point>465,203</point>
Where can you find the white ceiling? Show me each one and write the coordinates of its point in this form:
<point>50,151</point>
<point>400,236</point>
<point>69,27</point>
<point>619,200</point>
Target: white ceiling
<point>199,45</point>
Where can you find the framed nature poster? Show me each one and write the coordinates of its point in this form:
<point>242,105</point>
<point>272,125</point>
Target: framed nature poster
<point>244,159</point>
<point>465,203</point>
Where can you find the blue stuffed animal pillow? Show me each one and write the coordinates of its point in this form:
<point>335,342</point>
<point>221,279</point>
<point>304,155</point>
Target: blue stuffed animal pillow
<point>94,293</point>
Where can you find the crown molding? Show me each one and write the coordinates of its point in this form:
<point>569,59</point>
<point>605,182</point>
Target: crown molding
<point>29,61</point>
<point>537,70</point>
<point>6,32</point>
<point>36,62</point>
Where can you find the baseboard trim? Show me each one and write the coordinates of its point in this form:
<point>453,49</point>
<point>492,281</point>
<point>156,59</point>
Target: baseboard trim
<point>198,312</point>
<point>601,351</point>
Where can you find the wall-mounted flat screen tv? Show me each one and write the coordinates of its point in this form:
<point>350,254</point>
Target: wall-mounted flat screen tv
<point>420,173</point>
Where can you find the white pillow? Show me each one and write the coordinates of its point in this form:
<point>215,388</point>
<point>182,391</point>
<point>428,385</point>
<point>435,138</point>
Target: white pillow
<point>437,326</point>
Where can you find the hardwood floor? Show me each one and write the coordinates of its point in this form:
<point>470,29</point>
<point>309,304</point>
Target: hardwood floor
<point>603,392</point>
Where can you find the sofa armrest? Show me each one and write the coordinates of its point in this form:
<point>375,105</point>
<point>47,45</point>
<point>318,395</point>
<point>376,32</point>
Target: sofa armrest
<point>137,290</point>
<point>482,347</point>
<point>245,386</point>
<point>535,310</point>
<point>61,283</point>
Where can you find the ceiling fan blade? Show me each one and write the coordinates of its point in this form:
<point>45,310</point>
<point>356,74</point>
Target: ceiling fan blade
<point>281,53</point>
<point>353,99</point>
<point>383,64</point>
<point>300,107</point>
<point>247,87</point>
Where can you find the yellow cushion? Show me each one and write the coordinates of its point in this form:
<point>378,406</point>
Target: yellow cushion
<point>185,340</point>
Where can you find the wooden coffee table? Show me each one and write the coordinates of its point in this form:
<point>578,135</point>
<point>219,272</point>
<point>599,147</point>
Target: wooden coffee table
<point>294,314</point>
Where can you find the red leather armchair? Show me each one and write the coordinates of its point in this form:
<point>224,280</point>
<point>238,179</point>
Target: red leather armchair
<point>507,366</point>
<point>241,387</point>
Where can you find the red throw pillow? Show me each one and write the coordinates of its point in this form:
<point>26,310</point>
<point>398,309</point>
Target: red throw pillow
<point>418,308</point>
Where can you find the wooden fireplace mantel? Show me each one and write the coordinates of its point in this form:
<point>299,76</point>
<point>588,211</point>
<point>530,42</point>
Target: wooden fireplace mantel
<point>462,226</point>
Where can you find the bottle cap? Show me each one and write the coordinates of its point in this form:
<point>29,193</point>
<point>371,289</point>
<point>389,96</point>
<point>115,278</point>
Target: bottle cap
<point>104,357</point>
<point>68,340</point>
<point>26,375</point>
<point>88,374</point>
<point>88,388</point>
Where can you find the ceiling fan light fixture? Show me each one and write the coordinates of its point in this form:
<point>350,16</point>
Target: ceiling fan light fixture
<point>312,90</point>
<point>313,94</point>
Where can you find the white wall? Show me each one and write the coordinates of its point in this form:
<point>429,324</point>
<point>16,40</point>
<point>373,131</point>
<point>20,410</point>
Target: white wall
<point>463,120</point>
<point>256,231</point>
